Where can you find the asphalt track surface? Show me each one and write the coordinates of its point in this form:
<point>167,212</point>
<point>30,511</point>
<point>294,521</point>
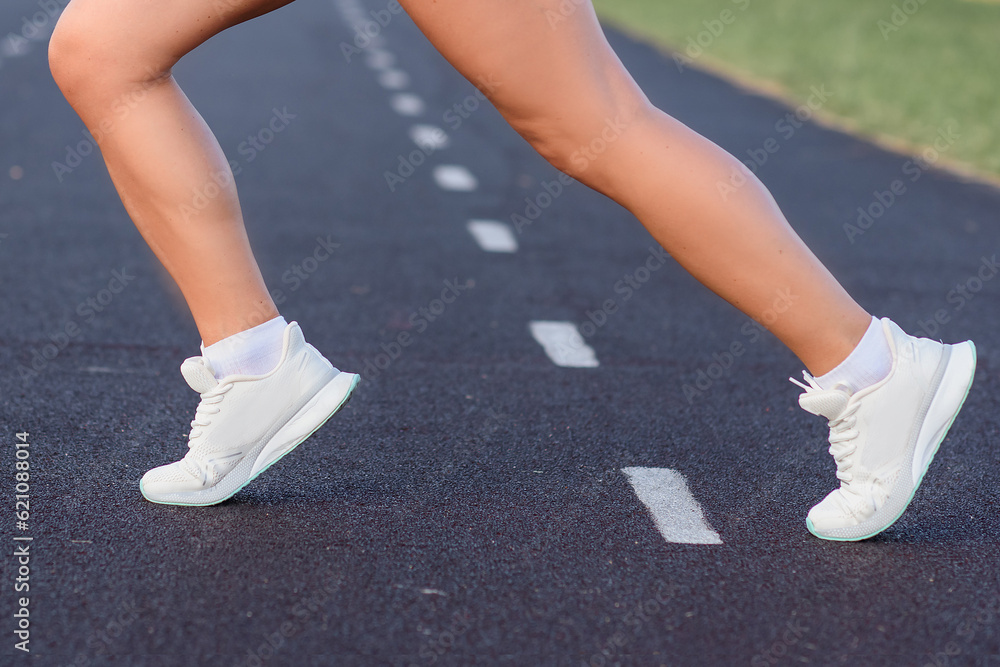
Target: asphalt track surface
<point>469,505</point>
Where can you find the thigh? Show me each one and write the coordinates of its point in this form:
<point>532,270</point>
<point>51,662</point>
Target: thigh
<point>534,59</point>
<point>149,36</point>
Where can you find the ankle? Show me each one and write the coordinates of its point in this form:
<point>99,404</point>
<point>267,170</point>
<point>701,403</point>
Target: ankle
<point>868,363</point>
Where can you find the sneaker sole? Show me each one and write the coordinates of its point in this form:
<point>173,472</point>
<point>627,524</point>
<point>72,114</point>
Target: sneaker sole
<point>952,390</point>
<point>325,404</point>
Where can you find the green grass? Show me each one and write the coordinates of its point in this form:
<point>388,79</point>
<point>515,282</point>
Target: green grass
<point>941,65</point>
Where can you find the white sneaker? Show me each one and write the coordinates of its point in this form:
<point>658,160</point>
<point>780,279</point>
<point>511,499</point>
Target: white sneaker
<point>884,437</point>
<point>244,423</point>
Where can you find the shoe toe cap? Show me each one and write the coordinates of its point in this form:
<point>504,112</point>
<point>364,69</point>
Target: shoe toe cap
<point>167,479</point>
<point>833,512</point>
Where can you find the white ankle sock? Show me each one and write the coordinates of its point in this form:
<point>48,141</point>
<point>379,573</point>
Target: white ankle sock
<point>870,362</point>
<point>255,351</point>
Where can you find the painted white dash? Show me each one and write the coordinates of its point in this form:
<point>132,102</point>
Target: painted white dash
<point>455,177</point>
<point>429,137</point>
<point>394,79</point>
<point>677,514</point>
<point>380,59</point>
<point>105,369</point>
<point>493,236</point>
<point>564,344</point>
<point>407,104</point>
<point>433,591</point>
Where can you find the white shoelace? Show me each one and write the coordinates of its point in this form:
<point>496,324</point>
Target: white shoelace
<point>842,431</point>
<point>842,436</point>
<point>192,463</point>
<point>206,408</point>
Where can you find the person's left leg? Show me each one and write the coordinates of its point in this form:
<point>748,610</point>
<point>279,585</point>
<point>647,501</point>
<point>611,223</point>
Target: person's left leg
<point>263,388</point>
<point>112,59</point>
<point>889,398</point>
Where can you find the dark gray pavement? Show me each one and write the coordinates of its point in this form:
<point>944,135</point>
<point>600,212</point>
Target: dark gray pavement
<point>468,506</point>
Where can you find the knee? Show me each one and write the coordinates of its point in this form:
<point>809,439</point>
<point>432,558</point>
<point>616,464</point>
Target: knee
<point>91,58</point>
<point>76,56</point>
<point>583,144</point>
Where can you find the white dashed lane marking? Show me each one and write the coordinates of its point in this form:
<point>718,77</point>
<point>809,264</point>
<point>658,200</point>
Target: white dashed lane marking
<point>455,177</point>
<point>677,515</point>
<point>564,345</point>
<point>394,79</point>
<point>379,59</point>
<point>429,137</point>
<point>493,236</point>
<point>407,104</point>
<point>117,371</point>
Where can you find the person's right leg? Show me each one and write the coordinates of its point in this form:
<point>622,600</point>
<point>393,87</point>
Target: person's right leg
<point>563,89</point>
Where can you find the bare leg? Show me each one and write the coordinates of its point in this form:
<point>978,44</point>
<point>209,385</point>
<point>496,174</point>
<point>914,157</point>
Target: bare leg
<point>562,88</point>
<point>112,60</point>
